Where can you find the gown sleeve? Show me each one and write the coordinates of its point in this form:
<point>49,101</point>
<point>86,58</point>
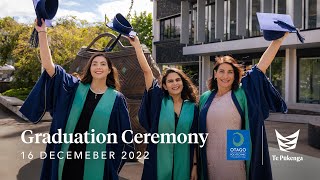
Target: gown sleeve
<point>47,93</point>
<point>150,107</point>
<point>261,93</point>
<point>120,123</point>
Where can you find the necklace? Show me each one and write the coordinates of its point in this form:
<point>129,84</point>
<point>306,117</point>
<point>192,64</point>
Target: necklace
<point>96,93</point>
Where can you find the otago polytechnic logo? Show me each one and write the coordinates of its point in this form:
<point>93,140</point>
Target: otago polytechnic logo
<point>238,142</point>
<point>287,143</point>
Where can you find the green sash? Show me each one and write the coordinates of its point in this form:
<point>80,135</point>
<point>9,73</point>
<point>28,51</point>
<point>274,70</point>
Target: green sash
<point>174,156</point>
<point>93,168</point>
<point>242,99</point>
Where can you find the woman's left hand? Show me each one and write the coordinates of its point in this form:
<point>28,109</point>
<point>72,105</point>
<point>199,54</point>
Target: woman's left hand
<point>284,36</point>
<point>135,42</point>
<point>194,174</point>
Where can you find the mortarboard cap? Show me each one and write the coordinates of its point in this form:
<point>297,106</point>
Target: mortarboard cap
<point>121,25</point>
<point>274,26</point>
<point>45,9</point>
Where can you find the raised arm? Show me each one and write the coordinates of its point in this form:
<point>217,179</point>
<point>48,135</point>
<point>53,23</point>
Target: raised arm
<point>268,56</point>
<point>45,54</point>
<point>147,72</point>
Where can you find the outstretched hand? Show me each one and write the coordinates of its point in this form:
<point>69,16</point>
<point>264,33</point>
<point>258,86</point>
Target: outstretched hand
<point>43,27</point>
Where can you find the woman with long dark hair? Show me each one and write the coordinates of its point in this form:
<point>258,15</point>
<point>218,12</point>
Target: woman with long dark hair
<point>237,102</point>
<point>91,105</point>
<point>168,107</point>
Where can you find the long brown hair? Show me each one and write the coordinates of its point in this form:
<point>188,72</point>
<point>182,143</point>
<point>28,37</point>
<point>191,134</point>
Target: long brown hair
<point>189,90</point>
<point>237,68</point>
<point>112,78</point>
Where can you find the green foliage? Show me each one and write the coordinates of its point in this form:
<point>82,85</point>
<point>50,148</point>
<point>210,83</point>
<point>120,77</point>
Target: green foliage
<point>65,40</point>
<point>192,71</point>
<point>21,93</point>
<point>27,61</point>
<point>142,24</point>
<point>69,35</point>
<point>10,31</point>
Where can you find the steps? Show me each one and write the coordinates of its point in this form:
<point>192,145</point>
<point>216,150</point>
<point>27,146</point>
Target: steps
<point>314,134</point>
<point>293,118</point>
<point>14,105</point>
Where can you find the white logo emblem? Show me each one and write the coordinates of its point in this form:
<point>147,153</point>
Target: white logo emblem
<point>287,143</point>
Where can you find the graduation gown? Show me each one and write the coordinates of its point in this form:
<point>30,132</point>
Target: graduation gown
<point>261,98</point>
<point>55,95</point>
<point>149,114</point>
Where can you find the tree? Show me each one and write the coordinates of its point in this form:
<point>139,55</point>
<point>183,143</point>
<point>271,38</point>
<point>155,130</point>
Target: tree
<point>27,65</point>
<point>10,31</point>
<point>142,24</point>
<point>65,40</point>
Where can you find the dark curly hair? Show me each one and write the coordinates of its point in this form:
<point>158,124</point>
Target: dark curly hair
<point>189,91</point>
<point>237,68</point>
<point>112,78</point>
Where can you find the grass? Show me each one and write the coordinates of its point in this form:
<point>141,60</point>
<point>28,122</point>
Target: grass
<point>21,93</point>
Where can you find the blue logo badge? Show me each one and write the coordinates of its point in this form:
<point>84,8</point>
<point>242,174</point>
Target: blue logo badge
<point>238,143</point>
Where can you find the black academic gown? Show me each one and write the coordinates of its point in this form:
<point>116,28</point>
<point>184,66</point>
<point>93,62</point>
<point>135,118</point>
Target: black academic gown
<point>55,95</point>
<point>262,97</point>
<point>149,114</point>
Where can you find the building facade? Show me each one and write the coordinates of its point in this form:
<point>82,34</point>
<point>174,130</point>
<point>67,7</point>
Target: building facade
<point>196,31</point>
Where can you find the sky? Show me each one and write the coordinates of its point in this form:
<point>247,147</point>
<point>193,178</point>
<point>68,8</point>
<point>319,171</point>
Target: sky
<point>90,10</point>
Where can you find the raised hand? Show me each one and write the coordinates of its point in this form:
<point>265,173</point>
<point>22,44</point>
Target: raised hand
<point>135,42</point>
<point>42,28</point>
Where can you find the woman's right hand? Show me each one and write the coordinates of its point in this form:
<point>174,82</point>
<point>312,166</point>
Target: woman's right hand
<point>41,28</point>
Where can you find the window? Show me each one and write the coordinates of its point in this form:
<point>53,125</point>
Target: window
<point>276,73</point>
<point>309,80</point>
<point>232,9</point>
<point>209,23</point>
<point>177,27</point>
<point>255,29</point>
<point>281,6</point>
<point>170,28</point>
<point>312,13</point>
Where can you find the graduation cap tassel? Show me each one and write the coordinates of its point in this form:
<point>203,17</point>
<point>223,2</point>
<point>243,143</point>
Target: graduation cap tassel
<point>288,26</point>
<point>301,39</point>
<point>34,39</point>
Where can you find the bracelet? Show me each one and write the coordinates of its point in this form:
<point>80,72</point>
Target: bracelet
<point>194,163</point>
<point>42,31</point>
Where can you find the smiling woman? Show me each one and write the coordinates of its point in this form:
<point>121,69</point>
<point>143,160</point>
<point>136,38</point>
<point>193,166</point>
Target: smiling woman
<point>168,107</point>
<point>236,102</point>
<point>92,104</point>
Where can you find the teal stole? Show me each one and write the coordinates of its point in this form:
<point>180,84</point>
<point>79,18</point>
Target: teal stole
<point>174,159</point>
<point>93,168</point>
<point>242,99</point>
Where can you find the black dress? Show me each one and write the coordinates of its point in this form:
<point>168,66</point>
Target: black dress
<point>74,168</point>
